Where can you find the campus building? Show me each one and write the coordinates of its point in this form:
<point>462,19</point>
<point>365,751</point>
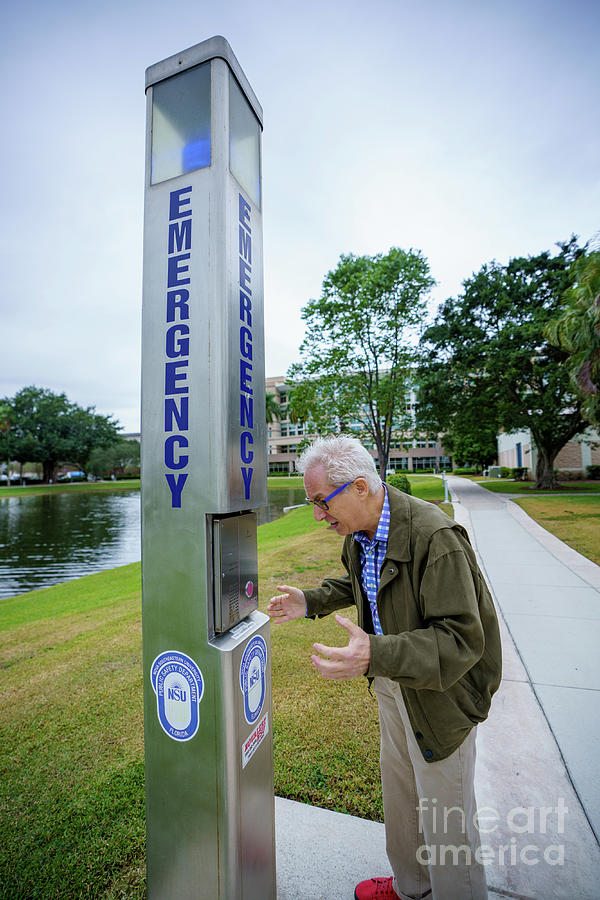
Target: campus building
<point>286,439</point>
<point>518,449</point>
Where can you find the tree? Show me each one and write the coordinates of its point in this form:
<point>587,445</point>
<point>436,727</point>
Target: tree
<point>487,361</point>
<point>6,437</point>
<point>88,431</point>
<point>356,353</point>
<point>48,428</point>
<point>469,430</point>
<point>117,457</point>
<point>577,331</point>
<point>271,407</point>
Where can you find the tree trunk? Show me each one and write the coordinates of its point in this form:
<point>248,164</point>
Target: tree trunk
<point>382,460</point>
<point>48,469</point>
<point>544,470</point>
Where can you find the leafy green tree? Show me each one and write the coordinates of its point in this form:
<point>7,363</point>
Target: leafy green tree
<point>49,429</point>
<point>6,436</point>
<point>478,448</point>
<point>488,363</point>
<point>88,431</point>
<point>357,350</point>
<point>577,331</point>
<point>117,457</point>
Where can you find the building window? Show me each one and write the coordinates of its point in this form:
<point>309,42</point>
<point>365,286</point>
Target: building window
<point>275,467</point>
<point>398,463</point>
<point>424,462</point>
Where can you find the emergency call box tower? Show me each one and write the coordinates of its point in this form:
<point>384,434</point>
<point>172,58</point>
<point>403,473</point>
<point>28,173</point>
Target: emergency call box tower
<point>207,667</point>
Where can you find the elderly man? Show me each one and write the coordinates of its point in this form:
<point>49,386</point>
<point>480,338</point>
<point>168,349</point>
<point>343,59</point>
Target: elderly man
<point>428,639</point>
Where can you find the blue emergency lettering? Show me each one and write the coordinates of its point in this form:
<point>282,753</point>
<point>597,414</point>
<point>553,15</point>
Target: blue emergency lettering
<point>176,483</point>
<point>246,411</point>
<point>246,388</point>
<point>244,214</point>
<point>177,302</point>
<point>247,476</point>
<point>245,273</point>
<point>177,347</point>
<point>245,376</point>
<point>176,269</point>
<point>176,201</point>
<point>246,342</point>
<point>245,309</point>
<point>172,376</point>
<point>171,442</point>
<point>245,245</point>
<point>245,440</point>
<point>178,414</point>
<point>180,235</point>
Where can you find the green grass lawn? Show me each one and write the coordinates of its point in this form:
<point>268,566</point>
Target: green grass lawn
<point>575,520</point>
<point>71,728</point>
<point>64,487</point>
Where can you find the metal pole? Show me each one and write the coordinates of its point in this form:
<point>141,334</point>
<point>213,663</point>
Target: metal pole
<point>207,662</point>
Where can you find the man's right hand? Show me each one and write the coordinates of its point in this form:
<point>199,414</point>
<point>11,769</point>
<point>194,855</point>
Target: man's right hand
<point>287,606</point>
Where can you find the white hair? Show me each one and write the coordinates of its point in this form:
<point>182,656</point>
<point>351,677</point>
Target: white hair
<point>344,458</point>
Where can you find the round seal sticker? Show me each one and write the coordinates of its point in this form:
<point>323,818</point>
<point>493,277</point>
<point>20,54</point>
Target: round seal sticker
<point>178,684</point>
<point>253,669</point>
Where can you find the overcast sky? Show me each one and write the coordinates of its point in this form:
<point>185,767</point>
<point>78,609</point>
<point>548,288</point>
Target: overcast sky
<point>464,129</point>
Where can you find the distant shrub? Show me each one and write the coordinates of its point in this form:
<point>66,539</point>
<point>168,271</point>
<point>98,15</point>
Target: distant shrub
<point>561,475</point>
<point>505,472</point>
<point>400,482</point>
<point>593,472</point>
<point>466,470</point>
<point>519,473</point>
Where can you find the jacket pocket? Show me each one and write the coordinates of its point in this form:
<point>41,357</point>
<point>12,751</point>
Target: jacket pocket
<point>468,699</point>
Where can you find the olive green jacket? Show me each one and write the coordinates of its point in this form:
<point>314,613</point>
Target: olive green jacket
<point>441,640</point>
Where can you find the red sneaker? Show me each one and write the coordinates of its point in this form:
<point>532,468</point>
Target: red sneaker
<point>380,888</point>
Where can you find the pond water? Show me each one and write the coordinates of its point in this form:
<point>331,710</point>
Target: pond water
<point>52,538</point>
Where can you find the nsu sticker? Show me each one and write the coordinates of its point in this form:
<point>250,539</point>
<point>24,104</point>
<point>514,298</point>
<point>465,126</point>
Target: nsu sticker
<point>253,683</point>
<point>178,684</point>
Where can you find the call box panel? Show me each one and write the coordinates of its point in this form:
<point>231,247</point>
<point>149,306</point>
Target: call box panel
<point>235,569</point>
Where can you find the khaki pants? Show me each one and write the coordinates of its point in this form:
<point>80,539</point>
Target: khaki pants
<point>429,810</point>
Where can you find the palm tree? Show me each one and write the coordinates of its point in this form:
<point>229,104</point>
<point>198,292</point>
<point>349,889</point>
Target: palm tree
<point>578,332</point>
<point>272,407</point>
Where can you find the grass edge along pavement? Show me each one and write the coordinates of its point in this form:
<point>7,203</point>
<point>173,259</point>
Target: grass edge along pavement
<point>571,516</point>
<point>573,519</point>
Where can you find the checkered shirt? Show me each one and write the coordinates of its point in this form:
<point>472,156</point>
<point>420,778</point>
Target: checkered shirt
<point>372,554</point>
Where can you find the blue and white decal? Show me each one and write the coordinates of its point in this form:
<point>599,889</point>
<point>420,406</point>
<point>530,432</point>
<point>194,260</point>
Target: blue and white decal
<point>253,682</point>
<point>178,684</point>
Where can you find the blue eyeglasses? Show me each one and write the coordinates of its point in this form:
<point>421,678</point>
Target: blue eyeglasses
<point>322,504</point>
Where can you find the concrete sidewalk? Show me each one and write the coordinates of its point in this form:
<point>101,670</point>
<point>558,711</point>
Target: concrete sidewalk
<point>537,789</point>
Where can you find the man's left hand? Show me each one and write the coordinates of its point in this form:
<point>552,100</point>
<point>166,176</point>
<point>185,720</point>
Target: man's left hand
<point>344,662</point>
